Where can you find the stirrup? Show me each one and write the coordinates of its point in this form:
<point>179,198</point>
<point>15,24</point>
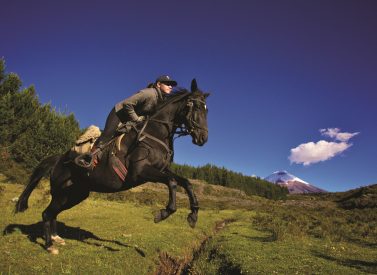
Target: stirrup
<point>84,161</point>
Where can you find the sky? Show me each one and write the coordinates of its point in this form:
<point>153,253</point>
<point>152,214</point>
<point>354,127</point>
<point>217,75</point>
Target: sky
<point>293,83</point>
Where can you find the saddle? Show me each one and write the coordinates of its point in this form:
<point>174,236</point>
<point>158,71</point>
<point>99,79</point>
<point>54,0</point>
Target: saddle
<point>84,147</point>
<point>85,142</point>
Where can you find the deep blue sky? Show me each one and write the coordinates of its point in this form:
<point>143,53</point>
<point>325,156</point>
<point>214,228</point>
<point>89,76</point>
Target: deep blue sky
<point>278,72</point>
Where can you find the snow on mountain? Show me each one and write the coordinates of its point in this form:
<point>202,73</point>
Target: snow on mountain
<point>283,176</point>
<point>294,184</point>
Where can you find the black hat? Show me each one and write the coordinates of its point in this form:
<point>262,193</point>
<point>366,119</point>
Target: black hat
<point>166,79</point>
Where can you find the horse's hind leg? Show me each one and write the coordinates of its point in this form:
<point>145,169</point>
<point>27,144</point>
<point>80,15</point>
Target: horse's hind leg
<point>48,216</point>
<point>54,233</point>
<point>66,199</point>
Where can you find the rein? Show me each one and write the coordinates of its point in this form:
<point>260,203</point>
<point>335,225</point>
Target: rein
<point>183,129</point>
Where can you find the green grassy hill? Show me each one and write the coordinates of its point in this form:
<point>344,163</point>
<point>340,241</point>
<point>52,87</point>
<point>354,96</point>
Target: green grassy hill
<point>235,234</point>
<point>364,197</point>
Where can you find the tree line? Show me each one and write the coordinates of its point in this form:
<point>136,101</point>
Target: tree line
<point>31,131</point>
<point>224,177</point>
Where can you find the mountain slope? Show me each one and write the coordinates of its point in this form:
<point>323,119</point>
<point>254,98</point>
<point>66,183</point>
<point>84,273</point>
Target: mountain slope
<point>294,184</point>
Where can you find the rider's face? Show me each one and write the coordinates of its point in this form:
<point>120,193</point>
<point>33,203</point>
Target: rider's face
<point>165,87</point>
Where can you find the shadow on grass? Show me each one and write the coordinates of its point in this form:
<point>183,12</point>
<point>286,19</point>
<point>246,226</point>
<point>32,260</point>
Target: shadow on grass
<point>365,266</point>
<point>362,242</point>
<point>35,231</point>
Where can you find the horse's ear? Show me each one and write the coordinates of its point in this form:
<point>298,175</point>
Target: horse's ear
<point>194,85</point>
<point>206,95</point>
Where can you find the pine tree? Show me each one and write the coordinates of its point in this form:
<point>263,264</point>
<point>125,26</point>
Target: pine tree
<point>9,83</point>
<point>222,176</point>
<point>6,119</point>
<point>29,131</point>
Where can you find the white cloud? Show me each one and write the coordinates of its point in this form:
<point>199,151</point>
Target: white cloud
<point>311,152</point>
<point>335,133</point>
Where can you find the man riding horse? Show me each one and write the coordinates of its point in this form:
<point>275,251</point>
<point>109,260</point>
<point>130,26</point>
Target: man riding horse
<point>146,151</point>
<point>132,109</point>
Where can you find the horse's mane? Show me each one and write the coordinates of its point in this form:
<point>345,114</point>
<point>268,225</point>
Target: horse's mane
<point>176,96</point>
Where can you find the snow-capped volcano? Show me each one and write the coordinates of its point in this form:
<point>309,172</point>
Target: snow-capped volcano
<point>294,184</point>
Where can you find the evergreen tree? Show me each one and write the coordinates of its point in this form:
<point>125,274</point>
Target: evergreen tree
<point>225,177</point>
<point>10,83</point>
<point>2,70</point>
<point>6,119</point>
<point>29,131</point>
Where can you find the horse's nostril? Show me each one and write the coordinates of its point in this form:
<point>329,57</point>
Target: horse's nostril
<point>202,138</point>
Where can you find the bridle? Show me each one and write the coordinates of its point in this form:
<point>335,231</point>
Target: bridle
<point>182,129</point>
<point>190,125</point>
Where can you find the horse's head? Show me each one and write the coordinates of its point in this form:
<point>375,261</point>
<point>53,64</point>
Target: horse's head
<point>196,116</point>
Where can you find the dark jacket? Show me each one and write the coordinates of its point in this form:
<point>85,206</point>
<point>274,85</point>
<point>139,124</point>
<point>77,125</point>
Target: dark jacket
<point>142,103</point>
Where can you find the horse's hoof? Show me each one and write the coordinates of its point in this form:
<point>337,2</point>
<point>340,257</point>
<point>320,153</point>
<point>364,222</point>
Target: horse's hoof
<point>161,215</point>
<point>53,250</point>
<point>157,218</point>
<point>192,219</point>
<point>57,239</point>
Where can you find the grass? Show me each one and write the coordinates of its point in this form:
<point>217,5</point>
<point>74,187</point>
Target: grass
<point>241,249</point>
<point>115,234</point>
<point>102,236</point>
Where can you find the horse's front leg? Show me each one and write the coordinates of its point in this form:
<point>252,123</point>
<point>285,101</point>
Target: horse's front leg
<point>149,173</point>
<point>192,218</point>
<point>172,204</point>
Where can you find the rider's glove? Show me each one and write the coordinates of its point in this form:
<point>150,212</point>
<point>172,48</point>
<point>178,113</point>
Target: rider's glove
<point>140,119</point>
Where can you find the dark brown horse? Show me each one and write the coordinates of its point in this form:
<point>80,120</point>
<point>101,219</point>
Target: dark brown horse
<point>146,151</point>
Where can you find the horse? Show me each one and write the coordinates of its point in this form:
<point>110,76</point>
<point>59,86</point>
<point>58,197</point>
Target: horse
<point>146,151</point>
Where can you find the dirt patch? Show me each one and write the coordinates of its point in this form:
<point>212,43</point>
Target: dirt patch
<point>170,265</point>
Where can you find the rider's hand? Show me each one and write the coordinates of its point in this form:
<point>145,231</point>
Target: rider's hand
<point>140,119</point>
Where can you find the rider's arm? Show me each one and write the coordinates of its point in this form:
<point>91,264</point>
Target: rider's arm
<point>126,108</point>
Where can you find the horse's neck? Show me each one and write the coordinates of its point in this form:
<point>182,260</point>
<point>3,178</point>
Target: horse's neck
<point>169,113</point>
<point>163,121</point>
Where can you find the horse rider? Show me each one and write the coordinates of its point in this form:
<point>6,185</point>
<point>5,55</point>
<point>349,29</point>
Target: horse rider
<point>134,109</point>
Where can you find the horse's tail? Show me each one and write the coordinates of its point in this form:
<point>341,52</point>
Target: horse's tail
<point>43,168</point>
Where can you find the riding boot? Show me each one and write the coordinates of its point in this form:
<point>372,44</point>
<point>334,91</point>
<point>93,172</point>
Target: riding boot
<point>97,151</point>
<point>89,160</point>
